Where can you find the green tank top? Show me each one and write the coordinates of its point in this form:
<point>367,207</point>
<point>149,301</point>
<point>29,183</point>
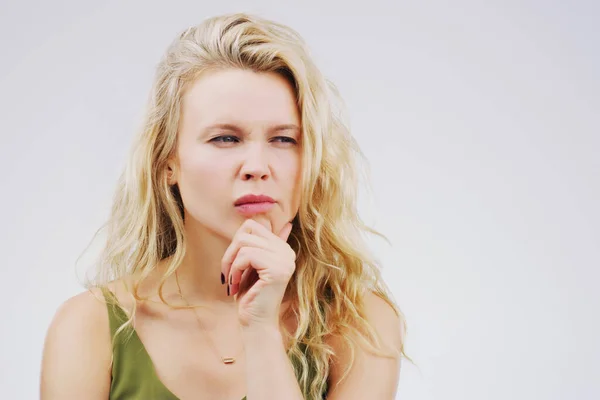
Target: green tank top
<point>133,373</point>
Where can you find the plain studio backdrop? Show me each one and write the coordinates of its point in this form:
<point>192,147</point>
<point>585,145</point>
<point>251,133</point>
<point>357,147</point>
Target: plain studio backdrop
<point>481,124</point>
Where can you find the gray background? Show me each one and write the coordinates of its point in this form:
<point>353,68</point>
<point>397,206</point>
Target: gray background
<point>479,118</point>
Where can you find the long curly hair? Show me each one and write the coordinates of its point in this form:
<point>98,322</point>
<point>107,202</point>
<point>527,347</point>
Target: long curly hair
<point>335,270</point>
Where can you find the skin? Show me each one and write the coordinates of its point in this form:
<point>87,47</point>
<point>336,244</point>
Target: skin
<point>236,137</point>
<point>239,134</point>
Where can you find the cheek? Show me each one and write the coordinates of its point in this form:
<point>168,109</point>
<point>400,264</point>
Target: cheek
<point>201,182</point>
<point>290,165</point>
<point>196,173</point>
<point>292,179</point>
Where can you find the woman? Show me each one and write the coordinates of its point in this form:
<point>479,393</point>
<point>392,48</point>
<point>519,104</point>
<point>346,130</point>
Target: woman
<point>234,264</point>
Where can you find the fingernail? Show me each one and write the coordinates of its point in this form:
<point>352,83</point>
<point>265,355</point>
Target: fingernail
<point>222,279</point>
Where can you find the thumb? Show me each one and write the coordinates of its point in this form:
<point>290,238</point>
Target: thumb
<point>285,231</point>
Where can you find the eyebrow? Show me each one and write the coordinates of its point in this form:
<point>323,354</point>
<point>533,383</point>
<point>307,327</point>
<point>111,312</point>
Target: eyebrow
<point>238,129</point>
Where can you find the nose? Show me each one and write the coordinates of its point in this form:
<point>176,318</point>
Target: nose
<point>255,163</point>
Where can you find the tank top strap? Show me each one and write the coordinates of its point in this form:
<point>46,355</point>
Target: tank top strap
<point>133,374</point>
<point>116,315</point>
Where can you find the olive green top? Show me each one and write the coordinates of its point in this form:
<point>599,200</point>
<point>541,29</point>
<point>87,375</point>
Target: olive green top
<point>133,373</point>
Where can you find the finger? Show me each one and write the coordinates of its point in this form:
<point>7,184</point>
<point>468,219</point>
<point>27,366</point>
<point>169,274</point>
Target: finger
<point>248,258</point>
<point>285,231</point>
<point>241,265</point>
<point>240,240</point>
<point>264,221</point>
<point>260,227</point>
<point>249,278</point>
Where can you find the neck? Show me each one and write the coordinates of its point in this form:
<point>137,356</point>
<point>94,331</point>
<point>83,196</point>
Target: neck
<point>200,272</point>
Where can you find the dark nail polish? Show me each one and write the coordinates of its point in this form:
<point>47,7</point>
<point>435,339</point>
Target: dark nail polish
<point>222,279</point>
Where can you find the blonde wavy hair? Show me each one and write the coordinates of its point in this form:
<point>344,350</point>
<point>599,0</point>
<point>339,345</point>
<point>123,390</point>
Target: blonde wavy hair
<point>334,267</point>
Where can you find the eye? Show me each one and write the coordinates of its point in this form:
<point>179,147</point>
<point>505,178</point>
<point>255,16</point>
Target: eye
<point>225,139</point>
<point>235,139</point>
<point>286,139</point>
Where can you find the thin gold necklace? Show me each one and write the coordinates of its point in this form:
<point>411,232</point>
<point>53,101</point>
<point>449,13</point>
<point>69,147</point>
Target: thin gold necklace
<point>225,360</point>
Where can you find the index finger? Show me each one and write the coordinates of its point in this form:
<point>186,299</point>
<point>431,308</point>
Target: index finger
<point>264,221</point>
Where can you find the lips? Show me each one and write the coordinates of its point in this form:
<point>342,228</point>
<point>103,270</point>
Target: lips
<point>254,204</point>
<point>253,198</point>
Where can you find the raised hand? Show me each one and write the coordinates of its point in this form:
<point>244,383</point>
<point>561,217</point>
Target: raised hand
<point>258,265</point>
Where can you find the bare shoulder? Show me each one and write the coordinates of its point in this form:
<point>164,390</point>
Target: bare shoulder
<point>369,375</point>
<point>82,317</point>
<point>386,322</point>
<point>77,350</point>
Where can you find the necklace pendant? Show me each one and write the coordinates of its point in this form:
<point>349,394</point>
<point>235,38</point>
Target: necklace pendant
<point>228,360</point>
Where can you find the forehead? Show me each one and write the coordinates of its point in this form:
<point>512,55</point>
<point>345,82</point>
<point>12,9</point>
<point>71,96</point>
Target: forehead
<point>239,96</point>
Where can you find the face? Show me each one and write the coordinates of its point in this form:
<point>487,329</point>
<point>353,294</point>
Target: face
<point>239,134</point>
